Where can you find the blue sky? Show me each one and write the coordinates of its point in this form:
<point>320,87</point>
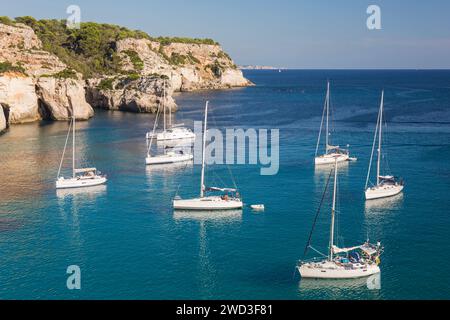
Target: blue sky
<point>283,33</point>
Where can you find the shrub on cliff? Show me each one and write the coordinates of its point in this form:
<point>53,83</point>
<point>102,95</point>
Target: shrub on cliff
<point>9,67</point>
<point>137,62</point>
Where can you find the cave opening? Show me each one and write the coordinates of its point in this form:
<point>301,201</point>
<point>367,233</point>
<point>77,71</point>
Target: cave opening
<point>5,108</point>
<point>44,110</point>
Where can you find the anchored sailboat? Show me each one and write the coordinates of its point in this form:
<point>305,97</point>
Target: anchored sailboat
<point>171,131</point>
<point>332,153</point>
<point>229,199</point>
<point>83,177</point>
<point>170,155</point>
<point>341,263</point>
<point>386,185</point>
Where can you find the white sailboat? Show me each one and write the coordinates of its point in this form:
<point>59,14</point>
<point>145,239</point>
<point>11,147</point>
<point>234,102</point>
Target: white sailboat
<point>170,155</point>
<point>387,185</point>
<point>341,263</point>
<point>171,131</point>
<point>82,177</point>
<point>229,199</point>
<point>332,153</point>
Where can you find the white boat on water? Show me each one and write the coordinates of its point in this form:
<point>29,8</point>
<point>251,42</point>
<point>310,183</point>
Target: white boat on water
<point>81,177</point>
<point>341,263</point>
<point>171,131</point>
<point>170,155</point>
<point>228,200</point>
<point>386,185</point>
<point>332,153</point>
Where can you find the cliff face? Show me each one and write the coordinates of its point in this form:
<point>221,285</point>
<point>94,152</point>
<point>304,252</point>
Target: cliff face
<point>36,84</point>
<point>32,90</point>
<point>185,66</point>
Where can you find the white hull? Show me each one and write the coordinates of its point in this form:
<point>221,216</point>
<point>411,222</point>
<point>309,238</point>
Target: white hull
<point>172,134</point>
<point>331,270</point>
<point>80,182</point>
<point>331,158</point>
<point>207,203</point>
<point>168,158</point>
<point>383,191</point>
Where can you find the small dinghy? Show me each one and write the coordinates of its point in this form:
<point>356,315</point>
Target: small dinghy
<point>257,207</point>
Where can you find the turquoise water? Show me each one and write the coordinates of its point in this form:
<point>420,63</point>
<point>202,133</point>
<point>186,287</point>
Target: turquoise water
<point>130,245</point>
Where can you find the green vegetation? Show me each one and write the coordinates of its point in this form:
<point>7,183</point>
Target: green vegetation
<point>9,67</point>
<point>106,84</point>
<point>64,74</point>
<point>89,50</point>
<point>6,20</point>
<point>168,40</point>
<point>135,59</point>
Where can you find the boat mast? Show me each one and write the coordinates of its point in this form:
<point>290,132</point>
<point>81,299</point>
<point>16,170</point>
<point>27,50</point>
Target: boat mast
<point>328,113</point>
<point>73,143</point>
<point>164,104</point>
<point>170,110</point>
<point>333,211</point>
<point>202,180</point>
<point>379,137</point>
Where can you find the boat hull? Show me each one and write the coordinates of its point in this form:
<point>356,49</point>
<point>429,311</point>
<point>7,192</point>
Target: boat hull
<point>167,159</point>
<point>319,271</point>
<point>182,134</point>
<point>383,191</point>
<point>331,159</point>
<point>207,203</point>
<point>79,183</point>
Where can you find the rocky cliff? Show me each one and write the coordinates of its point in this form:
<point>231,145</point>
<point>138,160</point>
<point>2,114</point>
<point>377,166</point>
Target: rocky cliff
<point>46,70</point>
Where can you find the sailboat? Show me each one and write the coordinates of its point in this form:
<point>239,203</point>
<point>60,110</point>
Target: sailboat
<point>82,177</point>
<point>171,131</point>
<point>387,185</point>
<point>170,155</point>
<point>341,263</point>
<point>230,198</point>
<point>332,153</point>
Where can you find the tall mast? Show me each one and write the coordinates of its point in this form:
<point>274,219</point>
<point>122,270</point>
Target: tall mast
<point>202,180</point>
<point>328,114</point>
<point>73,143</point>
<point>170,113</point>
<point>164,103</point>
<point>379,137</point>
<point>333,211</point>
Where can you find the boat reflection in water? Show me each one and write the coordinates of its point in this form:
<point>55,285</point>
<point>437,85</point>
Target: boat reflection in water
<point>168,168</point>
<point>87,192</point>
<point>383,205</point>
<point>335,286</point>
<point>206,220</point>
<point>213,215</point>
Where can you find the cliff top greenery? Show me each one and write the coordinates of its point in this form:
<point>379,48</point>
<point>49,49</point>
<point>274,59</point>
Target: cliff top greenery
<point>91,49</point>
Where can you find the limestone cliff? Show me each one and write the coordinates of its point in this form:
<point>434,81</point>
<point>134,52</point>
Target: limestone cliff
<point>45,70</point>
<point>31,87</point>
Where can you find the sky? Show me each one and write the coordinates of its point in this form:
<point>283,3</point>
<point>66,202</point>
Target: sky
<point>307,34</point>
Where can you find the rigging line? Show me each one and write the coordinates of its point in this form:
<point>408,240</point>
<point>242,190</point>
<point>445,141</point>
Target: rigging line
<point>155,125</point>
<point>321,126</point>
<point>308,244</point>
<point>373,149</point>
<point>233,180</point>
<point>64,151</point>
<point>317,251</point>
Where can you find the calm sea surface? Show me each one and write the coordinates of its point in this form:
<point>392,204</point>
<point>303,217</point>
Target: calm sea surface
<point>130,244</point>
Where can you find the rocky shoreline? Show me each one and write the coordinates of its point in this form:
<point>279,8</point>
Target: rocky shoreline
<point>35,84</point>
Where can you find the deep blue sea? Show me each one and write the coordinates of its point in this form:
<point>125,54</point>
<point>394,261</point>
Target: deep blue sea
<point>130,244</point>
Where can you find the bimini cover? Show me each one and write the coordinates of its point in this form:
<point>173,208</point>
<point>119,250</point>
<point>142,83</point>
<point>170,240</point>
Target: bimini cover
<point>85,170</point>
<point>337,250</point>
